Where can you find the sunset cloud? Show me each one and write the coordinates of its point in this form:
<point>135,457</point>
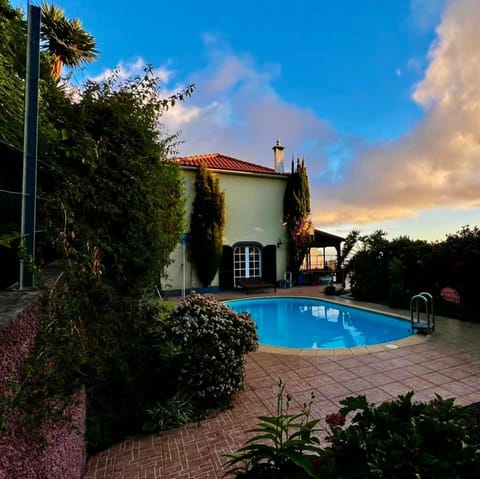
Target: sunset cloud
<point>235,110</point>
<point>437,164</point>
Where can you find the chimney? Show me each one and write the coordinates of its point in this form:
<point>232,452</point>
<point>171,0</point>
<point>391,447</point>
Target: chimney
<point>278,156</point>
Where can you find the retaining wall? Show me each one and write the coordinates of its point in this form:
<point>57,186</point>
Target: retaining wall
<point>21,457</point>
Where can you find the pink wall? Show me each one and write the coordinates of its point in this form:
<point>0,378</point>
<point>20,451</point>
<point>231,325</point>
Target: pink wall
<point>20,456</point>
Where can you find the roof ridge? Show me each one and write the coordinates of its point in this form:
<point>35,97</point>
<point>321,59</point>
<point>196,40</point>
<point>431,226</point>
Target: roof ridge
<point>224,162</point>
<point>210,155</point>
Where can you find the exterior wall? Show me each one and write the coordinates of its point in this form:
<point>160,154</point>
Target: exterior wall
<point>254,212</point>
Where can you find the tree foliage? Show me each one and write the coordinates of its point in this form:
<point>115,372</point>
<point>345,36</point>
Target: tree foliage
<point>110,207</point>
<point>110,199</point>
<point>206,225</point>
<point>119,194</point>
<point>394,270</point>
<point>65,40</point>
<point>13,45</point>
<point>296,215</point>
<point>12,71</point>
<point>351,241</point>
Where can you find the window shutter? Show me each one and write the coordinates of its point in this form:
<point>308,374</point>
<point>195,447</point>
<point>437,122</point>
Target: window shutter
<point>226,268</point>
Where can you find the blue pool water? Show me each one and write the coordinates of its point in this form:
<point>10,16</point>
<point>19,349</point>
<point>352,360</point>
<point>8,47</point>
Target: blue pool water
<point>315,324</point>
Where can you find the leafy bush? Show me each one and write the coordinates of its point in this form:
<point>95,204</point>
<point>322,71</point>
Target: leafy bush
<point>284,445</point>
<point>213,340</point>
<point>170,413</point>
<point>396,440</point>
<point>392,271</point>
<point>330,290</point>
<point>403,439</point>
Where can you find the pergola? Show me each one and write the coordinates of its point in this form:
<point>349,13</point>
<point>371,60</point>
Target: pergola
<point>322,239</point>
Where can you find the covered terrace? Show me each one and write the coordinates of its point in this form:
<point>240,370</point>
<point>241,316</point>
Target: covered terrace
<point>322,261</point>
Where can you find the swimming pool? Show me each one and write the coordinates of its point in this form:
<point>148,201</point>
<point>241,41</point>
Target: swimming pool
<point>309,323</point>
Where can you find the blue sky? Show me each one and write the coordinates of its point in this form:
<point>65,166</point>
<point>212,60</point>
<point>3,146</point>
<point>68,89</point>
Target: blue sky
<point>381,97</point>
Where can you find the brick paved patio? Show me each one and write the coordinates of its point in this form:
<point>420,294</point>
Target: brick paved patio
<point>447,364</point>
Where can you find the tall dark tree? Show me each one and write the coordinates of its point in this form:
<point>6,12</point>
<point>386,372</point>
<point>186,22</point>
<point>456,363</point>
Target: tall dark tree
<point>296,215</point>
<point>207,225</point>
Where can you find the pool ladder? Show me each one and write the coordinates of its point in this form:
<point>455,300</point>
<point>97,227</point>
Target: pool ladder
<point>422,323</point>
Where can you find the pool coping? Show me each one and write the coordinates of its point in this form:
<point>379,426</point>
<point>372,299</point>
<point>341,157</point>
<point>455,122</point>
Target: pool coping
<point>333,352</point>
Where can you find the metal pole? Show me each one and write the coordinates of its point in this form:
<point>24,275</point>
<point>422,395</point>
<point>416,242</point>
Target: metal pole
<point>184,266</point>
<point>30,148</point>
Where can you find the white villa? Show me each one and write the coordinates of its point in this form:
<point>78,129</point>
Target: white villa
<point>254,237</point>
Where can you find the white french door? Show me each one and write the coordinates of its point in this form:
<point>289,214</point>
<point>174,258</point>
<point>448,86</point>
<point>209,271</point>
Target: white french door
<point>247,262</point>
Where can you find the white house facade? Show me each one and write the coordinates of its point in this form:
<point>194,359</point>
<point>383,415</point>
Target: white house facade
<point>254,241</point>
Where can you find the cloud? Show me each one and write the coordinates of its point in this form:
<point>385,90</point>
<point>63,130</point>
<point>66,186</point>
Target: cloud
<point>415,65</point>
<point>236,110</point>
<point>437,164</point>
<point>127,70</point>
<point>424,14</point>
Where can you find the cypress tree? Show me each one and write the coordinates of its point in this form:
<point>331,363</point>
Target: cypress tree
<point>207,225</point>
<point>296,215</point>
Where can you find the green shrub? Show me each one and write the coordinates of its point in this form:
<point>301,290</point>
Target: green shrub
<point>284,445</point>
<point>330,290</point>
<point>173,412</point>
<point>402,439</point>
<point>399,439</point>
<point>213,341</point>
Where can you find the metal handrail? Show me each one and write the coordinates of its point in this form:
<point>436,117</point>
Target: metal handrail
<point>415,302</point>
<point>430,300</point>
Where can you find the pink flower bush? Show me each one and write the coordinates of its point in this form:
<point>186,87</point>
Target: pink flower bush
<point>213,341</point>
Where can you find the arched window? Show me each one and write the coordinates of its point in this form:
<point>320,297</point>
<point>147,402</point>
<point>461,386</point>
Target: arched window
<point>247,261</point>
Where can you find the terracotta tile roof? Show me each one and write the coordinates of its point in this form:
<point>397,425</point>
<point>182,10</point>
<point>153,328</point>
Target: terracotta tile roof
<point>217,161</point>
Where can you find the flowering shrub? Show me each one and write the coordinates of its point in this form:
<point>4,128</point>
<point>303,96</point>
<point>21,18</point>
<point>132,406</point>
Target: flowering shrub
<point>402,439</point>
<point>213,341</point>
<point>335,419</point>
<point>398,439</point>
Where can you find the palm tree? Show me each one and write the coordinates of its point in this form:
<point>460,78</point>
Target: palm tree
<point>66,41</point>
